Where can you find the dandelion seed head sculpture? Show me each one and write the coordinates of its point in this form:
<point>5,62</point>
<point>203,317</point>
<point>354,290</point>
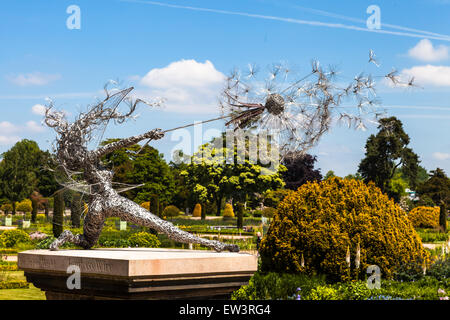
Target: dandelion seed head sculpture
<point>300,109</point>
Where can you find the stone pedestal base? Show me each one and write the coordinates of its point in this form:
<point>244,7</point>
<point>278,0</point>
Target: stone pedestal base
<point>137,273</point>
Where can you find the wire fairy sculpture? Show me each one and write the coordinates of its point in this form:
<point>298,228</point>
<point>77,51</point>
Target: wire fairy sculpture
<point>82,170</point>
<point>301,109</point>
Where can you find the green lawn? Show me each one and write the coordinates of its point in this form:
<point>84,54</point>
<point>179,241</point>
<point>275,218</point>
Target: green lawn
<point>31,293</point>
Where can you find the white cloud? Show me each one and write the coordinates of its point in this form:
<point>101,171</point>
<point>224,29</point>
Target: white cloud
<point>34,127</point>
<point>441,156</point>
<point>9,132</point>
<point>38,109</point>
<point>424,51</point>
<point>428,75</point>
<point>33,79</point>
<point>187,86</point>
<point>7,127</point>
<point>8,140</point>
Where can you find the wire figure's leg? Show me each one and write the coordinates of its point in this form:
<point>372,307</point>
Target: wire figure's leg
<point>93,225</point>
<point>133,213</point>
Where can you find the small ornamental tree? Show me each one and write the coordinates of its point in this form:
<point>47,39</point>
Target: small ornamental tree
<point>424,217</point>
<point>240,215</point>
<point>171,211</point>
<point>24,206</point>
<point>146,205</point>
<point>197,210</point>
<point>58,214</point>
<point>323,228</point>
<point>228,211</point>
<point>443,216</point>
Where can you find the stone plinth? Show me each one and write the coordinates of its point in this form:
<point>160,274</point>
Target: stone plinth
<point>138,273</point>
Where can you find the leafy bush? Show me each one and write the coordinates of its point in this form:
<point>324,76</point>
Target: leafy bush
<point>288,286</point>
<point>6,207</point>
<point>257,213</point>
<point>8,266</point>
<point>14,284</point>
<point>24,205</point>
<point>440,269</point>
<point>114,243</point>
<point>269,212</point>
<point>146,205</point>
<point>430,235</point>
<point>323,293</point>
<point>45,244</point>
<point>276,286</point>
<point>424,217</point>
<point>144,240</point>
<point>10,238</point>
<point>197,210</point>
<point>228,211</point>
<point>321,221</point>
<point>171,211</point>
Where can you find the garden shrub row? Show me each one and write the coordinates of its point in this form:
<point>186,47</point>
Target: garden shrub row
<point>14,284</point>
<point>286,286</point>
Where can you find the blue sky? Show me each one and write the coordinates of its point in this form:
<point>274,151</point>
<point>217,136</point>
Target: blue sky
<point>182,49</point>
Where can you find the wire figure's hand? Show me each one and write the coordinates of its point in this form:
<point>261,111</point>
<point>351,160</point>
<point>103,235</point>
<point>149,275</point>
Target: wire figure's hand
<point>158,134</point>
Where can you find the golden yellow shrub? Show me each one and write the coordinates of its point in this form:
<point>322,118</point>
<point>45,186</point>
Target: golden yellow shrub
<point>322,219</point>
<point>424,217</point>
<point>146,205</point>
<point>228,211</point>
<point>197,210</point>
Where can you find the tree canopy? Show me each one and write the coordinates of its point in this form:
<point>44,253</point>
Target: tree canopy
<point>386,153</point>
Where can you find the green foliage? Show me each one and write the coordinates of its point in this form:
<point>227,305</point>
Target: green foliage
<point>6,208</point>
<point>11,238</point>
<point>147,167</point>
<point>213,178</point>
<point>24,206</point>
<point>269,212</point>
<point>273,197</point>
<point>436,188</point>
<point>58,214</point>
<point>385,153</point>
<point>171,211</point>
<point>144,240</point>
<point>329,174</point>
<point>19,170</point>
<point>14,284</point>
<point>321,221</point>
<point>275,286</point>
<point>114,243</point>
<point>298,286</point>
<point>323,293</point>
<point>440,269</point>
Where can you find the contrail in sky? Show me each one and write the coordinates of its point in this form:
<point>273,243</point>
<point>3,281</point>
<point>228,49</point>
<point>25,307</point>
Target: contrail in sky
<point>295,21</point>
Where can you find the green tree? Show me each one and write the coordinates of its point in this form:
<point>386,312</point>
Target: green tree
<point>58,213</point>
<point>147,167</point>
<point>386,152</point>
<point>214,179</point>
<point>437,189</point>
<point>19,171</point>
<point>329,174</point>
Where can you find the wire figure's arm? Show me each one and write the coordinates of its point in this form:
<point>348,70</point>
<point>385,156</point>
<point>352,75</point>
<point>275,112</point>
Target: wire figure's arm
<point>154,134</point>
